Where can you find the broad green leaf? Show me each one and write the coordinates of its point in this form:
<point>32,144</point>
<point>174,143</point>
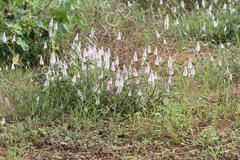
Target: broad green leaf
<point>23,44</point>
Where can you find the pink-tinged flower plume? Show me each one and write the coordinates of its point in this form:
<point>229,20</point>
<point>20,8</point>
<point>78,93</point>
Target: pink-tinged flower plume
<point>157,61</point>
<point>198,47</point>
<point>119,36</point>
<point>45,45</point>
<point>135,73</point>
<point>151,78</point>
<point>117,61</point>
<point>169,62</point>
<point>166,22</point>
<point>41,60</point>
<point>193,71</point>
<point>53,59</point>
<point>129,4</point>
<point>113,67</point>
<point>190,63</point>
<point>185,71</point>
<point>135,59</point>
<point>169,80</point>
<point>147,69</point>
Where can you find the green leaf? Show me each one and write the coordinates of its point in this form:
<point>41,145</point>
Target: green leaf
<point>83,26</point>
<point>23,44</point>
<point>60,14</point>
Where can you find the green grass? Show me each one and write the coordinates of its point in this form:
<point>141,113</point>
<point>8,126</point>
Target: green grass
<point>193,117</point>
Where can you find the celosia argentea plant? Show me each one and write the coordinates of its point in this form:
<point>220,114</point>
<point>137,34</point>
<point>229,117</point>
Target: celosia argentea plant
<point>90,79</point>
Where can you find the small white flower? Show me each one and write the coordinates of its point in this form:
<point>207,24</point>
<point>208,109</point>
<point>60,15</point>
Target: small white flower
<point>129,4</point>
<point>45,45</point>
<point>149,49</point>
<point>203,4</point>
<point>119,36</point>
<point>166,23</point>
<point>164,42</point>
<point>74,79</point>
<point>161,2</point>
<point>14,38</point>
<point>230,76</point>
<point>4,38</point>
<point>157,61</point>
<point>224,6</point>
<point>197,6</point>
<point>97,101</point>
<point>137,81</point>
<point>169,62</point>
<point>135,73</point>
<point>168,89</point>
<point>135,59</point>
<point>147,69</point>
<point>169,80</point>
<point>198,47</point>
<point>3,121</point>
<point>193,71</point>
<point>91,33</point>
<point>51,23</point>
<point>12,67</point>
<point>176,22</point>
<point>37,99</point>
<point>182,5</point>
<point>156,51</point>
<point>46,84</point>
<point>185,71</point>
<point>215,23</point>
<point>139,93</point>
<point>190,63</point>
<point>56,27</point>
<point>129,94</point>
<point>158,35</point>
<point>222,46</point>
<point>211,59</point>
<point>113,67</point>
<point>151,78</point>
<point>117,61</point>
<point>76,37</point>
